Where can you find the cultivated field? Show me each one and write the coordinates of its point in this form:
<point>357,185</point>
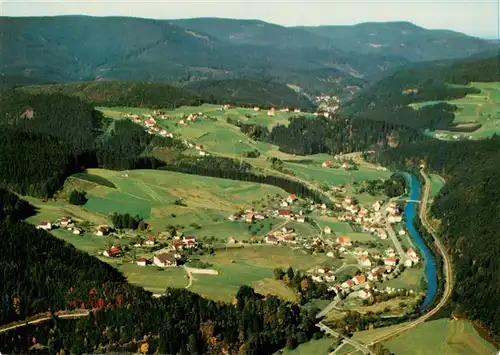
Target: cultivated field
<point>443,336</point>
<point>483,108</point>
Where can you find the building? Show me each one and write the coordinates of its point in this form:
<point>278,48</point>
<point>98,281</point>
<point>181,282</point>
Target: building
<point>411,253</point>
<point>344,241</point>
<point>376,206</point>
<point>330,277</point>
<point>149,241</point>
<point>285,213</point>
<point>270,239</point>
<point>364,294</point>
<point>177,245</point>
<point>408,263</point>
<point>270,113</point>
<point>291,199</point>
<point>142,261</point>
<point>323,270</point>
<point>45,226</point>
<point>365,262</point>
<point>359,279</point>
<point>165,260</point>
<point>327,230</point>
<point>102,230</point>
<point>390,261</point>
<point>347,285</point>
<point>256,108</point>
<point>300,219</point>
<point>289,239</point>
<point>327,164</point>
<point>65,221</point>
<point>77,231</point>
<point>249,218</point>
<point>112,252</point>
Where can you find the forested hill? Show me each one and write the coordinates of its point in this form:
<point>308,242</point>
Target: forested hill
<point>468,207</point>
<point>249,92</point>
<point>120,93</point>
<point>388,99</point>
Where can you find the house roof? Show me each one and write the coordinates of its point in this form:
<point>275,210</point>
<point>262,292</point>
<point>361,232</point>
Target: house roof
<point>360,278</point>
<point>292,197</point>
<point>285,212</point>
<point>44,223</point>
<point>166,257</point>
<point>149,239</point>
<point>177,243</point>
<point>142,260</point>
<point>390,260</point>
<point>114,250</point>
<point>189,237</point>
<point>271,237</point>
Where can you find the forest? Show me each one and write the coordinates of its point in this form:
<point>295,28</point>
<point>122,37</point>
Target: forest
<point>121,93</point>
<point>41,273</point>
<point>388,99</point>
<point>340,134</point>
<point>468,207</point>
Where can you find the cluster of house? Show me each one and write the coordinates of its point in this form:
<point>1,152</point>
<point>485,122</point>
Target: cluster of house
<point>192,117</point>
<point>286,235</point>
<point>344,165</point>
<point>64,222</point>
<point>248,216</point>
<point>150,124</point>
<point>395,213</point>
<point>199,147</point>
<point>170,256</point>
<point>327,103</point>
<point>272,110</point>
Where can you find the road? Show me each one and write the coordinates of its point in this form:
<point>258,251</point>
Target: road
<point>363,348</point>
<point>393,236</point>
<point>43,319</point>
<point>328,308</point>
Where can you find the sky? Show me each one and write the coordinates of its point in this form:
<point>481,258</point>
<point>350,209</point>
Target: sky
<point>479,18</point>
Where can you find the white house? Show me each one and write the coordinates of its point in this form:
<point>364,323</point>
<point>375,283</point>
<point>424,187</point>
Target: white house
<point>292,198</point>
<point>270,239</point>
<point>408,263</point>
<point>65,221</point>
<point>323,270</point>
<point>327,230</point>
<point>45,226</point>
<point>390,261</point>
<point>165,260</point>
<point>330,277</point>
<point>149,241</point>
<point>365,262</point>
<point>364,294</point>
<point>317,278</point>
<point>76,231</point>
<point>142,261</point>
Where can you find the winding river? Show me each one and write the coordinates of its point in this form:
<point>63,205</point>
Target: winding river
<point>410,212</point>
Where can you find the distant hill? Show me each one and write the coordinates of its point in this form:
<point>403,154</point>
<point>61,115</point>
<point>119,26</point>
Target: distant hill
<point>249,92</point>
<point>120,93</point>
<point>388,99</point>
<point>402,39</point>
<point>319,60</point>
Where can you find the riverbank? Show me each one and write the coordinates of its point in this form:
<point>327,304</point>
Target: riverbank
<point>428,257</point>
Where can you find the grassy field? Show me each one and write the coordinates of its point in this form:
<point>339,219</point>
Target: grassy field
<point>437,182</point>
<point>312,347</point>
<point>482,108</point>
<point>409,279</point>
<point>444,337</point>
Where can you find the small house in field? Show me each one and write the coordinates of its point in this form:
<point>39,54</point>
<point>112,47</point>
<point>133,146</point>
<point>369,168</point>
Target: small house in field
<point>359,279</point>
<point>45,225</point>
<point>77,231</point>
<point>323,270</point>
<point>65,221</point>
<point>270,239</point>
<point>270,113</point>
<point>364,294</point>
<point>256,108</point>
<point>150,123</point>
<point>149,241</point>
<point>165,260</point>
<point>327,164</point>
<point>102,230</point>
<point>297,110</point>
<point>292,198</point>
<point>227,106</point>
<point>112,252</point>
<point>142,261</point>
<point>249,217</point>
<point>327,230</point>
<point>300,219</point>
<point>177,245</point>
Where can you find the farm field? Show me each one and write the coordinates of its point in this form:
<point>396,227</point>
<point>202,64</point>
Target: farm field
<point>442,336</point>
<point>315,346</point>
<point>482,108</point>
<point>152,193</point>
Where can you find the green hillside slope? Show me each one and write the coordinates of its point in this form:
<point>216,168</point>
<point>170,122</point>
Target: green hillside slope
<point>249,92</point>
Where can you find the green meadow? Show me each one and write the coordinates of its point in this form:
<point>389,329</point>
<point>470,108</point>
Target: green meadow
<point>483,108</point>
<point>442,336</point>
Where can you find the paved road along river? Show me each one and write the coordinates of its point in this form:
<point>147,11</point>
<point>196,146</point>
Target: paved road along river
<point>410,213</point>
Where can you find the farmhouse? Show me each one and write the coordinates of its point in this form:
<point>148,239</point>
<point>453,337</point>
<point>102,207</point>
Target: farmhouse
<point>347,285</point>
<point>256,108</point>
<point>150,123</point>
<point>226,106</point>
<point>45,226</point>
<point>102,230</point>
<point>323,270</point>
<point>364,294</point>
<point>270,239</point>
<point>300,219</point>
<point>177,245</point>
<point>390,261</point>
<point>327,164</point>
<point>395,219</point>
<point>149,241</point>
<point>249,218</point>
<point>327,230</point>
<point>165,260</point>
<point>330,277</point>
<point>285,213</point>
<point>359,279</point>
<point>270,113</point>
<point>297,110</point>
<point>112,252</point>
<point>291,199</point>
<point>142,261</point>
<point>365,261</point>
<point>198,146</point>
<point>77,231</point>
<point>65,221</point>
<point>344,241</point>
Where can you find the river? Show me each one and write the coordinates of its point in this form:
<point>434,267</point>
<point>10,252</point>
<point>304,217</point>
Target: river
<point>410,212</point>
